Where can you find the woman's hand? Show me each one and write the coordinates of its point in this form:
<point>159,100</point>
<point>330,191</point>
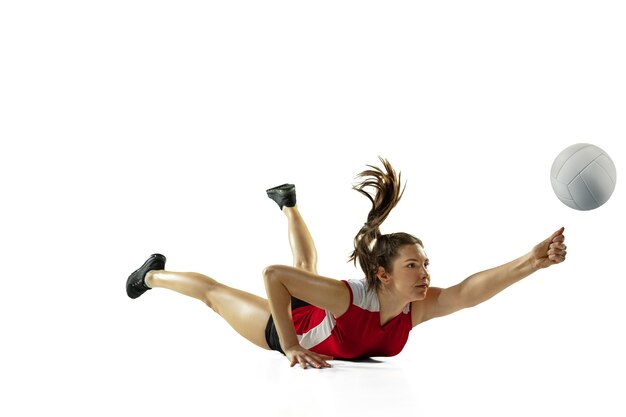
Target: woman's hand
<point>551,251</point>
<point>298,354</point>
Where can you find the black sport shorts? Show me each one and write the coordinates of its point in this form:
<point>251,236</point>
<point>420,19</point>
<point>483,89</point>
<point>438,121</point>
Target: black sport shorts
<point>271,335</point>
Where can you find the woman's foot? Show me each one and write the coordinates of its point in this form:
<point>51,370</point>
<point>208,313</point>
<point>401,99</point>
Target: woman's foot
<point>135,284</point>
<point>284,195</point>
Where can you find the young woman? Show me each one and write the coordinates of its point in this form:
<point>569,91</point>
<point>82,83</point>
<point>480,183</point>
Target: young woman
<point>312,319</point>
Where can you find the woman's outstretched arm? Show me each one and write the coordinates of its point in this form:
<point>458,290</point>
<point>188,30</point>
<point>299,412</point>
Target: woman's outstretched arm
<point>483,285</point>
<point>282,282</point>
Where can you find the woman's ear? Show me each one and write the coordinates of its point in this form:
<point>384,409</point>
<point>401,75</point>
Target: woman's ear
<point>382,275</point>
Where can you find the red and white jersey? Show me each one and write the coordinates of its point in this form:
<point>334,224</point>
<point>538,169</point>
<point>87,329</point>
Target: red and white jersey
<point>357,332</point>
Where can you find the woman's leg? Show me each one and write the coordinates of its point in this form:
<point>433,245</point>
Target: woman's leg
<point>302,246</point>
<point>246,313</point>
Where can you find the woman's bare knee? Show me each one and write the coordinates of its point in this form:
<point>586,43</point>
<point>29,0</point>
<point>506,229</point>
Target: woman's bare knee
<point>210,295</point>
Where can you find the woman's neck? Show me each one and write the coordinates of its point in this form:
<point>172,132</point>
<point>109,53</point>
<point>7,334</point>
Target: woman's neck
<point>390,304</point>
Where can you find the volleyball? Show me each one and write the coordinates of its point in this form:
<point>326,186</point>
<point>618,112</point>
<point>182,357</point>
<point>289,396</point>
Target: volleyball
<point>583,176</point>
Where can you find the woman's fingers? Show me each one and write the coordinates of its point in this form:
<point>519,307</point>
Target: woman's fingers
<point>304,357</point>
<point>314,361</point>
<point>323,358</point>
<point>557,249</point>
<point>557,234</point>
<point>322,363</point>
<point>317,361</point>
<point>557,252</point>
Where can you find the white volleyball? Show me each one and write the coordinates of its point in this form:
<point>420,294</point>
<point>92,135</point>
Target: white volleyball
<point>583,176</point>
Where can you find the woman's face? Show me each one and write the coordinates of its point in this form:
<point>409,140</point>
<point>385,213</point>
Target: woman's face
<point>410,276</point>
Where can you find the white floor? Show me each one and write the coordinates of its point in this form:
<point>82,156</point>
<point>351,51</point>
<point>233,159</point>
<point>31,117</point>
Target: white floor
<point>162,355</point>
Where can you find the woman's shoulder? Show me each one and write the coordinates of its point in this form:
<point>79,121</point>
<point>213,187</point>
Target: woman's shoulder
<point>356,286</point>
<point>362,295</point>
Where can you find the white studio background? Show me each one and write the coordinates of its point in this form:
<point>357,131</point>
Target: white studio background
<point>134,127</point>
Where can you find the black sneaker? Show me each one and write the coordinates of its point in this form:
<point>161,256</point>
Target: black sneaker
<point>284,195</point>
<point>135,284</point>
